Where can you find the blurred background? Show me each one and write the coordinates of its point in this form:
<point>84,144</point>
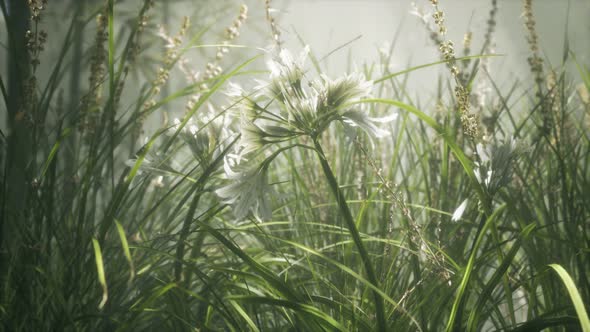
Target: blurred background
<point>71,119</point>
<point>345,34</point>
<point>381,24</point>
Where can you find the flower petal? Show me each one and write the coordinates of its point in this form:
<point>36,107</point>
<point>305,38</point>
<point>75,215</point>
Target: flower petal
<point>460,210</point>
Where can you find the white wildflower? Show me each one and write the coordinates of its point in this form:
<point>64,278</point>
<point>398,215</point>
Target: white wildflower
<point>420,13</point>
<point>460,210</point>
<point>493,170</point>
<point>247,189</point>
<point>234,90</point>
<point>157,182</point>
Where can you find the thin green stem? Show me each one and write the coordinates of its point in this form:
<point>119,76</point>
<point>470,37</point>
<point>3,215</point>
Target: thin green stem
<point>112,89</point>
<point>350,224</point>
<point>454,323</point>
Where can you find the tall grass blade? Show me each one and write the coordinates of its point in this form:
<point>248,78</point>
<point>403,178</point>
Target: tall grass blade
<point>126,251</point>
<point>350,224</point>
<point>458,305</point>
<point>485,295</point>
<point>327,321</point>
<point>100,271</point>
<point>574,296</point>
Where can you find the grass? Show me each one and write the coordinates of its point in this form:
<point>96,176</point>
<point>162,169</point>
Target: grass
<point>282,205</point>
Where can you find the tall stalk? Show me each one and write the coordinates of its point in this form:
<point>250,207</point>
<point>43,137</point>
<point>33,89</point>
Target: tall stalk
<point>350,224</point>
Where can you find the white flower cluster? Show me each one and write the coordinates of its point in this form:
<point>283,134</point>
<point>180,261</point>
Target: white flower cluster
<point>285,107</point>
<point>294,106</point>
<point>247,188</point>
<point>494,168</point>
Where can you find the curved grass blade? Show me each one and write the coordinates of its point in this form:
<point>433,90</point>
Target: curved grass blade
<point>347,215</point>
<point>469,269</point>
<point>205,97</point>
<point>449,140</point>
<point>300,307</point>
<point>574,295</point>
<point>495,279</point>
<point>352,273</point>
<point>145,304</point>
<point>276,282</point>
<point>100,270</point>
<point>53,151</point>
<point>244,315</point>
<point>126,250</point>
<point>406,71</point>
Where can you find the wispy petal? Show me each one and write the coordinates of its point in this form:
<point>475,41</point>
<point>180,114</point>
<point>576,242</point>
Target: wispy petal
<point>460,210</point>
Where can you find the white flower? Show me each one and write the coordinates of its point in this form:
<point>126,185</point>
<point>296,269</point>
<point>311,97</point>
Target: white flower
<point>285,107</point>
<point>302,113</point>
<point>385,49</point>
<point>369,125</point>
<point>157,182</point>
<point>346,89</point>
<point>234,90</point>
<point>247,189</point>
<point>460,210</point>
<point>252,138</point>
<point>494,168</point>
<point>205,137</point>
<point>420,13</point>
<point>288,67</point>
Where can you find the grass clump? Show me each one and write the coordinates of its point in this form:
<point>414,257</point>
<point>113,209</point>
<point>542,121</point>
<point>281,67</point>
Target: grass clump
<point>140,193</point>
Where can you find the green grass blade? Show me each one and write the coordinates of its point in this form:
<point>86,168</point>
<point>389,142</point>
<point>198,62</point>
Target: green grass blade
<point>111,55</point>
<point>100,270</point>
<point>126,250</point>
<point>143,153</point>
<point>574,295</point>
<point>485,295</point>
<point>354,274</point>
<point>348,218</point>
<point>406,71</point>
<point>300,307</point>
<point>244,315</point>
<point>204,98</point>
<point>142,306</point>
<point>112,89</point>
<point>449,140</point>
<point>4,92</point>
<point>469,269</point>
<point>277,283</point>
<point>53,151</point>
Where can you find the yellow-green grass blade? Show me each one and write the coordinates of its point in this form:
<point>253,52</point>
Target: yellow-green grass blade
<point>141,306</point>
<point>350,271</point>
<point>244,315</point>
<point>469,269</point>
<point>574,295</point>
<point>126,251</point>
<point>296,306</point>
<point>100,271</point>
<point>54,151</point>
<point>406,71</point>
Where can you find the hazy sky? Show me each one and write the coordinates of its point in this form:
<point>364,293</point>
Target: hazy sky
<point>326,24</point>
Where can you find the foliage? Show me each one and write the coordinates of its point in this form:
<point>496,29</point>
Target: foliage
<point>292,202</point>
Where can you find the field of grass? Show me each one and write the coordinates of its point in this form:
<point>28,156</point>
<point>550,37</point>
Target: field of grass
<point>156,178</point>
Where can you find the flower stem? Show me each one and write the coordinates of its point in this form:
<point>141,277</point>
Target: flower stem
<point>350,224</point>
